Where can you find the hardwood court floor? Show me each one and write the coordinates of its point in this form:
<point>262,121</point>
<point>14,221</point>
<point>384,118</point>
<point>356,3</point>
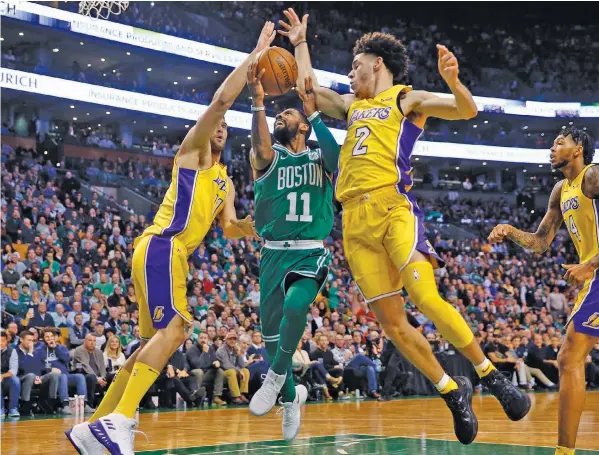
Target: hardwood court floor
<point>406,426</point>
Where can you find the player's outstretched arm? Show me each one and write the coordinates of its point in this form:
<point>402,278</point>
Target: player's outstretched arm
<point>262,153</point>
<point>234,228</point>
<point>459,107</point>
<point>540,240</point>
<point>326,141</point>
<point>330,102</point>
<point>197,140</point>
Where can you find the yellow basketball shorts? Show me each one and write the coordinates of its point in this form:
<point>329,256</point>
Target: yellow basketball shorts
<point>381,231</point>
<point>160,278</point>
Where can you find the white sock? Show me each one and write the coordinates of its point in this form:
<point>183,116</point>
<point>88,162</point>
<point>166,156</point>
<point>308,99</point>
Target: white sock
<point>443,382</point>
<point>483,366</point>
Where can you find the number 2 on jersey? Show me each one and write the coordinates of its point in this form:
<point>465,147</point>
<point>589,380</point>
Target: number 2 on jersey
<point>292,215</point>
<point>362,134</point>
<point>573,228</point>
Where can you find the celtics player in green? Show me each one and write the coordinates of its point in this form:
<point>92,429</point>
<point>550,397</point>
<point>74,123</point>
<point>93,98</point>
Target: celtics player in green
<point>294,214</point>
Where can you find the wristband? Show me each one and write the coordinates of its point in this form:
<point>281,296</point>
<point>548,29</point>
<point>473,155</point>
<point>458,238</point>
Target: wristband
<point>258,108</point>
<point>301,42</point>
<point>314,115</point>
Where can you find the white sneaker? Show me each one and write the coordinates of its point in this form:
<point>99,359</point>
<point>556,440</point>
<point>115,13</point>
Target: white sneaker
<point>83,440</point>
<point>115,433</point>
<point>266,397</point>
<point>292,413</point>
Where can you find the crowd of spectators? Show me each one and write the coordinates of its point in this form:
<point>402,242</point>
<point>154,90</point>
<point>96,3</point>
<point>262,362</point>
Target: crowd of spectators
<point>69,311</point>
<point>543,61</point>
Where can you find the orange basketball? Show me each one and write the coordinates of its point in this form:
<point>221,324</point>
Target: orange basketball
<point>281,70</point>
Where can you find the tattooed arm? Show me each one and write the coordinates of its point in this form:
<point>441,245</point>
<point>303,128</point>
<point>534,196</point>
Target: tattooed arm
<point>538,241</point>
<point>590,183</point>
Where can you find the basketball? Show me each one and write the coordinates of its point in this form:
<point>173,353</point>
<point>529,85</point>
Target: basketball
<point>281,70</point>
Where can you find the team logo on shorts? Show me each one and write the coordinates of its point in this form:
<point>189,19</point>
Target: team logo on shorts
<point>592,322</point>
<point>158,314</point>
<point>416,275</point>
<point>313,155</point>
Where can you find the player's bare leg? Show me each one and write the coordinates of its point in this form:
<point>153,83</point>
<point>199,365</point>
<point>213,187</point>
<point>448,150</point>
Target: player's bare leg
<point>572,390</point>
<point>115,431</point>
<point>457,392</point>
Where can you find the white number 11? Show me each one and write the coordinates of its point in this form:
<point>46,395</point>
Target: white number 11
<point>292,216</point>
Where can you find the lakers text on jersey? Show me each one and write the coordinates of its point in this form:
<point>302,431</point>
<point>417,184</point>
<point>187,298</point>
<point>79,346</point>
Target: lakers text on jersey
<point>377,149</point>
<point>581,215</point>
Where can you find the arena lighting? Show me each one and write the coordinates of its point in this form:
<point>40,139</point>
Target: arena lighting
<point>75,118</point>
<point>89,65</point>
<point>72,107</point>
<point>524,170</point>
<point>417,159</point>
<point>45,152</point>
<point>186,126</point>
<point>55,50</point>
<point>151,131</point>
<point>484,163</point>
<point>107,112</point>
<point>175,83</point>
<point>81,42</point>
<point>102,59</point>
<point>149,69</point>
<point>21,33</point>
<point>107,97</point>
<point>486,121</point>
<point>188,78</point>
<point>128,53</point>
<point>215,71</point>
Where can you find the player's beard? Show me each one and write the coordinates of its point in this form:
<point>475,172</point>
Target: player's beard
<point>285,134</point>
<point>560,165</point>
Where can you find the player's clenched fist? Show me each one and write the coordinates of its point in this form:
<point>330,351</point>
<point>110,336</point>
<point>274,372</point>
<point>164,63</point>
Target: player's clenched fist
<point>499,232</point>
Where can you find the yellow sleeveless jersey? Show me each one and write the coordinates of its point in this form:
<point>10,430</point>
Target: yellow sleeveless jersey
<point>377,149</point>
<point>581,215</point>
<point>192,201</point>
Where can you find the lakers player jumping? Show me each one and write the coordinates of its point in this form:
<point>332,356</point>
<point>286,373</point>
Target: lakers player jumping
<point>573,201</point>
<point>383,228</point>
<point>199,192</point>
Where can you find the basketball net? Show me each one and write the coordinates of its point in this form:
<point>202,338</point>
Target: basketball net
<point>102,9</point>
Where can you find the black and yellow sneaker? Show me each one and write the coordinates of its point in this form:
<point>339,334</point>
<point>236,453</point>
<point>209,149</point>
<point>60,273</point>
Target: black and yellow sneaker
<point>514,402</point>
<point>459,402</point>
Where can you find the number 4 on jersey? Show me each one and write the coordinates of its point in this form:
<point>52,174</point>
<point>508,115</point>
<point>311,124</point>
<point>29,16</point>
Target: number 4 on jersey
<point>573,228</point>
<point>292,215</point>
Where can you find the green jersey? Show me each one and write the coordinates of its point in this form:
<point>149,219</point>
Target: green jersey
<point>294,198</point>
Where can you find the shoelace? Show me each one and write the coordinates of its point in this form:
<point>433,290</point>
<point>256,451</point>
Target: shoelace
<point>504,390</point>
<point>287,410</point>
<point>268,389</point>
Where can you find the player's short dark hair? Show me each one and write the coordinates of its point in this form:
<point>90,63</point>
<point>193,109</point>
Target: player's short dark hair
<point>307,122</point>
<point>581,137</point>
<point>389,48</point>
<point>3,334</point>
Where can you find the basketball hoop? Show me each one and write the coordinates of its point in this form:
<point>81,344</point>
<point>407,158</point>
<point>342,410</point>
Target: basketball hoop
<point>102,9</point>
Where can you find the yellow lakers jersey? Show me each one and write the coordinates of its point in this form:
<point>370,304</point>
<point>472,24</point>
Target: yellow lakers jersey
<point>192,201</point>
<point>378,146</point>
<point>581,217</point>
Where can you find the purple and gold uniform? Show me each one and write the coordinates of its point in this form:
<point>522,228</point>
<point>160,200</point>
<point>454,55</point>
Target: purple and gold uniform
<point>192,202</point>
<point>382,223</point>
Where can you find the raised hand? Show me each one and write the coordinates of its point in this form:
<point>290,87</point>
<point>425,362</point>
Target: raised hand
<point>295,30</point>
<point>254,82</point>
<point>448,65</point>
<point>308,97</point>
<point>266,36</point>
